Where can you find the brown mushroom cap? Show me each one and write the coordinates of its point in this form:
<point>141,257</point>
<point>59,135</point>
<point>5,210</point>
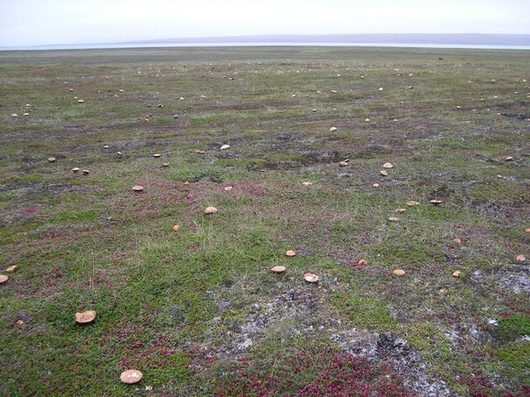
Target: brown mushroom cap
<point>278,269</point>
<point>3,278</point>
<point>456,273</point>
<point>362,262</point>
<point>176,228</point>
<point>412,203</point>
<point>137,188</point>
<point>290,253</point>
<point>388,165</point>
<point>210,210</point>
<point>527,230</point>
<point>383,173</point>
<point>520,258</point>
<point>85,317</point>
<point>311,277</point>
<point>131,376</point>
<point>399,272</point>
<point>376,185</point>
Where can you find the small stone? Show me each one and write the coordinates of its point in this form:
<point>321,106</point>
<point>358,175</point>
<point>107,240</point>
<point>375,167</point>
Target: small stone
<point>388,165</point>
<point>456,273</point>
<point>225,146</point>
<point>278,269</point>
<point>12,268</point>
<point>383,173</point>
<point>290,253</point>
<point>75,169</point>
<point>399,272</point>
<point>137,188</point>
<point>176,228</point>
<point>210,210</point>
<point>412,203</point>
<point>393,219</point>
<point>85,317</point>
<point>131,376</point>
<point>435,202</point>
<point>520,258</point>
<point>3,278</point>
<point>311,278</point>
<point>51,159</point>
<point>333,129</point>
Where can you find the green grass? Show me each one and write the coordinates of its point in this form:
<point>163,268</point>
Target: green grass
<point>179,306</point>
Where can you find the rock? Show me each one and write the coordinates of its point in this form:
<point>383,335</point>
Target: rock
<point>3,278</point>
<point>210,210</point>
<point>290,253</point>
<point>278,269</point>
<point>131,376</point>
<point>344,163</point>
<point>399,272</point>
<point>311,278</point>
<point>137,188</point>
<point>85,317</point>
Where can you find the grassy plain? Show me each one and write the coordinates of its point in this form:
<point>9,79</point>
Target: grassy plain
<point>197,311</point>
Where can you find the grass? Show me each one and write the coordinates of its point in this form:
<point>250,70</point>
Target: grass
<point>197,311</point>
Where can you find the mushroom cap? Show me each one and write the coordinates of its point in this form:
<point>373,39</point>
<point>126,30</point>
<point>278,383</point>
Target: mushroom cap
<point>333,129</point>
<point>527,230</point>
<point>157,155</point>
<point>383,173</point>
<point>412,203</point>
<point>399,272</point>
<point>278,269</point>
<point>85,317</point>
<point>456,273</point>
<point>307,183</point>
<point>3,278</point>
<point>228,188</point>
<point>225,146</point>
<point>86,172</point>
<point>290,253</point>
<point>435,202</point>
<point>457,241</point>
<point>388,165</point>
<point>131,376</point>
<point>311,277</point>
<point>11,268</point>
<point>51,159</point>
<point>80,101</point>
<point>75,169</point>
<point>137,188</point>
<point>210,210</point>
<point>520,258</point>
<point>165,164</point>
<point>393,219</point>
<point>376,185</point>
<point>198,151</point>
<point>400,210</point>
<point>362,262</point>
<point>176,228</point>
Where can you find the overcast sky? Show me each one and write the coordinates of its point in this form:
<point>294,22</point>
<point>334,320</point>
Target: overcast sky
<point>34,22</point>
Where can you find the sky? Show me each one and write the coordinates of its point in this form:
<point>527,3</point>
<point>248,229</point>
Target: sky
<point>38,22</point>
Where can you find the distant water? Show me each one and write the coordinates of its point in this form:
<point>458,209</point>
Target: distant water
<point>268,44</point>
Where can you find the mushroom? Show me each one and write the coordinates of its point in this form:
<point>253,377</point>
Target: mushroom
<point>399,272</point>
<point>3,278</point>
<point>176,228</point>
<point>383,173</point>
<point>400,210</point>
<point>85,317</point>
<point>131,376</point>
<point>333,129</point>
<point>228,188</point>
<point>362,262</point>
<point>435,202</point>
<point>86,172</point>
<point>165,164</point>
<point>210,210</point>
<point>457,241</point>
<point>376,185</point>
<point>311,278</point>
<point>137,188</point>
<point>51,159</point>
<point>393,219</point>
<point>225,146</point>
<point>11,268</point>
<point>520,258</point>
<point>278,269</point>
<point>290,253</point>
<point>412,203</point>
<point>80,101</point>
<point>456,273</point>
<point>307,183</point>
<point>157,155</point>
<point>198,151</point>
<point>75,169</point>
<point>388,165</point>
